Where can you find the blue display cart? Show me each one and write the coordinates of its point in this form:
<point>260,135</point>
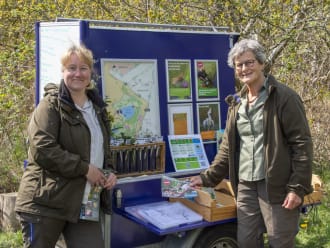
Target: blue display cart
<point>166,47</point>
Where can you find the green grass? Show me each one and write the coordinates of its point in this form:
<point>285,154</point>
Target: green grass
<point>11,240</point>
<point>315,228</point>
<point>315,225</point>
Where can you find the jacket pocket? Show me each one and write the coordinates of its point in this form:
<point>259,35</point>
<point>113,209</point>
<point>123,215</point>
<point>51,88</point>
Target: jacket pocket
<point>71,120</point>
<point>51,191</point>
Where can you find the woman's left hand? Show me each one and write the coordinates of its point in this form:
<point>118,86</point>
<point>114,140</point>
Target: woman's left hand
<point>111,181</point>
<point>291,201</point>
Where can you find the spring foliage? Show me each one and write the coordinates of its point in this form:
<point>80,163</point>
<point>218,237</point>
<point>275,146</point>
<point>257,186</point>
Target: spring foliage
<point>295,33</point>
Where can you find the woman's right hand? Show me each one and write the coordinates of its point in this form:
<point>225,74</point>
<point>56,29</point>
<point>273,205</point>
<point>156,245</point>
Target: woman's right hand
<point>196,181</point>
<point>95,176</point>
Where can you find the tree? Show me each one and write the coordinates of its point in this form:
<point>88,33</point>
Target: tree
<point>295,33</point>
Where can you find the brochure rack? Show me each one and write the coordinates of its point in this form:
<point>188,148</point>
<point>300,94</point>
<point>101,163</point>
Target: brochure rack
<point>138,159</point>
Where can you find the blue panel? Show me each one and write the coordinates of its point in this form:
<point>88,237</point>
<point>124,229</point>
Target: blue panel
<point>126,234</point>
<point>138,192</point>
<point>37,49</point>
<point>161,45</point>
<point>158,45</point>
<point>129,233</point>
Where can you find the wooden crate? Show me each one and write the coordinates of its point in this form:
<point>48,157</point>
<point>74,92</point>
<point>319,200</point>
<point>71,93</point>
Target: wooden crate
<point>224,204</point>
<point>317,194</point>
<point>221,208</point>
<point>139,159</point>
<point>312,198</point>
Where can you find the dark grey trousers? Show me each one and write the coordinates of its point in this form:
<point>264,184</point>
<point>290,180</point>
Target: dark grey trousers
<point>256,216</point>
<point>43,232</point>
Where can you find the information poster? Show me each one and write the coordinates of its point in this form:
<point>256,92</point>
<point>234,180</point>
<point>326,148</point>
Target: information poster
<point>208,120</point>
<point>207,79</point>
<point>132,88</point>
<point>180,119</point>
<point>178,80</point>
<point>55,39</point>
<point>187,152</point>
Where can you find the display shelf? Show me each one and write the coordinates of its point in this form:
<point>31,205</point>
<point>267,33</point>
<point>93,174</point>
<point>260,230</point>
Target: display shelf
<point>177,229</point>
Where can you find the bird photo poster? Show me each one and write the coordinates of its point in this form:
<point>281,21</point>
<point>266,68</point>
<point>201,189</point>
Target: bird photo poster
<point>208,120</point>
<point>207,80</point>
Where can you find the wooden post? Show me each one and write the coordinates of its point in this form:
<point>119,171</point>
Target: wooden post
<point>8,218</point>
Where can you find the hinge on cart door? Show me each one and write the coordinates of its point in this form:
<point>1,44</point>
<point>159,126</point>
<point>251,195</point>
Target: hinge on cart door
<point>231,41</point>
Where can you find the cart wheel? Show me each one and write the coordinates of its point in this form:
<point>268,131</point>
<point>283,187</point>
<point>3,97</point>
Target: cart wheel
<point>220,236</point>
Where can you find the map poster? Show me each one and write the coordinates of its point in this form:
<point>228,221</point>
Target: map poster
<point>178,76</point>
<point>180,119</point>
<point>187,152</point>
<point>131,86</point>
<point>207,79</point>
<point>208,120</point>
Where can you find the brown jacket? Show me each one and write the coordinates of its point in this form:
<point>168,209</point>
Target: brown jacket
<point>288,148</point>
<point>59,153</point>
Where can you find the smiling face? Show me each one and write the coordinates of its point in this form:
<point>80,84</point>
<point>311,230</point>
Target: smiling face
<point>248,70</point>
<point>76,74</point>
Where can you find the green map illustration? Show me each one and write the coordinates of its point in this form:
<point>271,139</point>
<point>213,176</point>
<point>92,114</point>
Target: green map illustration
<point>132,88</point>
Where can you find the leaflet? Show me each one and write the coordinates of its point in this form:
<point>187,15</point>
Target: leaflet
<point>164,214</point>
<point>91,210</point>
<point>176,188</point>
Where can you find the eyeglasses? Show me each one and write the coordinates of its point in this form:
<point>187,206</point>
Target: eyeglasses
<point>73,69</point>
<point>248,63</point>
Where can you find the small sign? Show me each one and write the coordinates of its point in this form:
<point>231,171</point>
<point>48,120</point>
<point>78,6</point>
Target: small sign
<point>187,152</point>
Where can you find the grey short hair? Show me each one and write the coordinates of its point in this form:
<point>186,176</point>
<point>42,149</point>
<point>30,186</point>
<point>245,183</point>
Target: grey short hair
<point>246,45</point>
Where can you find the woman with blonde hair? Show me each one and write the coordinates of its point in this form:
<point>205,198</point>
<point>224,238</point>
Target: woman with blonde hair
<point>68,134</point>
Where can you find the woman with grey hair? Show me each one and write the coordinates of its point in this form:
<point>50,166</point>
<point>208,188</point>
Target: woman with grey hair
<point>266,151</point>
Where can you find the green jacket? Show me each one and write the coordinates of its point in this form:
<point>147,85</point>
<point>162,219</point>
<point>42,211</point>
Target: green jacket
<point>288,148</point>
<point>54,180</point>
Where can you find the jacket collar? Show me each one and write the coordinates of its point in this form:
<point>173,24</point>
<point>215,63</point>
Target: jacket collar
<point>272,84</point>
<point>92,94</point>
<point>235,99</point>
